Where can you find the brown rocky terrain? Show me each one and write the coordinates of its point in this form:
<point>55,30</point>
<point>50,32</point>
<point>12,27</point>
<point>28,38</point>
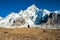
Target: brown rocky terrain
<point>29,34</point>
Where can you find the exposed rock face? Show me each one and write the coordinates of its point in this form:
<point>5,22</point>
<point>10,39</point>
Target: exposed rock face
<point>58,18</point>
<point>53,19</point>
<point>19,22</point>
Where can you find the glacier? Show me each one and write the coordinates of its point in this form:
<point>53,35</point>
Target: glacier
<point>32,16</point>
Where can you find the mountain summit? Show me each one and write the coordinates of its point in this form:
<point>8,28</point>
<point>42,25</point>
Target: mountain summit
<point>31,17</point>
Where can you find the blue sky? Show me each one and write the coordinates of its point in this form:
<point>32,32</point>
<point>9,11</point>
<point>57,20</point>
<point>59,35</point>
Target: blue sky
<point>8,6</point>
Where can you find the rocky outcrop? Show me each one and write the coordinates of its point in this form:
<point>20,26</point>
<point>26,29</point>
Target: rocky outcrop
<point>54,19</point>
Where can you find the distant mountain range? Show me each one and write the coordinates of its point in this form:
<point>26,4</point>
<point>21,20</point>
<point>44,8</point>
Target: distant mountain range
<point>31,17</point>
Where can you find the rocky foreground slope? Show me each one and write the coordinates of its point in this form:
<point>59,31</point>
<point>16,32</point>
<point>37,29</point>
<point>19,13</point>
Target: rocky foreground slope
<point>29,34</point>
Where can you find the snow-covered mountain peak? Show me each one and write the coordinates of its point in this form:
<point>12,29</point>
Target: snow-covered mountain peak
<point>33,8</point>
<point>1,18</point>
<point>46,11</point>
<point>58,12</point>
<point>55,11</point>
<point>12,15</point>
<point>32,16</point>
